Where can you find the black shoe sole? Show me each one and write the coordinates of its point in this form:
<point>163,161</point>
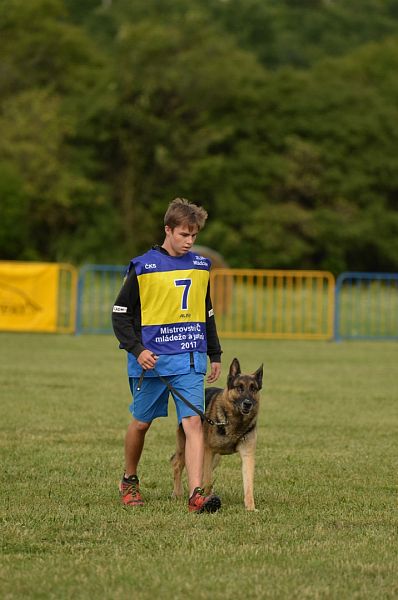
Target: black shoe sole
<point>213,504</point>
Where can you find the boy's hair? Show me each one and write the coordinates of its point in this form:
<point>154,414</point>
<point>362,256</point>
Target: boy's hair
<point>181,212</point>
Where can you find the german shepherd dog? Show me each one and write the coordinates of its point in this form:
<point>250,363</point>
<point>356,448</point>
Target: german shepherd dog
<point>234,411</point>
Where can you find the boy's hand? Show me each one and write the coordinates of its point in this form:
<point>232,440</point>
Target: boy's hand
<point>147,360</point>
<point>215,372</point>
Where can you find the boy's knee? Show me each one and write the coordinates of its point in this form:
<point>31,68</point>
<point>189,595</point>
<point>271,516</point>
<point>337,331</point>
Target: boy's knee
<point>192,423</point>
<point>140,425</point>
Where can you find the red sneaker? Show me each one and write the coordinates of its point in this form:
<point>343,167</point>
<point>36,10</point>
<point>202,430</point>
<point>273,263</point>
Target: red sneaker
<point>130,491</point>
<point>200,503</point>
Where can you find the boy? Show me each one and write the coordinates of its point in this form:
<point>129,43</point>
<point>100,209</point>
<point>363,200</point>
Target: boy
<point>164,318</point>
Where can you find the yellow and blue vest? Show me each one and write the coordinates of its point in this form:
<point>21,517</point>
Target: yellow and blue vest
<point>173,302</point>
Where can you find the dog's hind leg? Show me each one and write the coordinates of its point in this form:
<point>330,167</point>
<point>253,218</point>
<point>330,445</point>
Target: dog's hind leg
<point>209,463</point>
<point>178,462</point>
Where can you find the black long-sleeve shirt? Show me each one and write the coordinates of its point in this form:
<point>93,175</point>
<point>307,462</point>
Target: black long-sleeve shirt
<point>127,325</point>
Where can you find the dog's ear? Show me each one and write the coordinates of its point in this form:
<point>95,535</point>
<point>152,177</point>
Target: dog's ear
<point>234,371</point>
<point>259,377</point>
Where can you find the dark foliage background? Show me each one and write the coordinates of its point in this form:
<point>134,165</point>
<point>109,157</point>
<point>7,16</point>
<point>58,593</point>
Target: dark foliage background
<point>280,117</point>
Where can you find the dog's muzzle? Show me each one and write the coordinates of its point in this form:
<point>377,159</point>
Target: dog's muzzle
<point>246,406</point>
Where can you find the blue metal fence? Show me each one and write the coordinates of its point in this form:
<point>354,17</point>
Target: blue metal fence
<point>98,287</point>
<point>366,306</point>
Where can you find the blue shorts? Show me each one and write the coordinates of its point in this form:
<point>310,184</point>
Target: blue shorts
<point>151,401</point>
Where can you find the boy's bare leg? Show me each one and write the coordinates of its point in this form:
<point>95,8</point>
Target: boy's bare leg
<point>194,450</point>
<point>133,445</point>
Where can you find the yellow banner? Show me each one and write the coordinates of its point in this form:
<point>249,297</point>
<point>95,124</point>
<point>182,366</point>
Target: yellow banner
<point>28,296</point>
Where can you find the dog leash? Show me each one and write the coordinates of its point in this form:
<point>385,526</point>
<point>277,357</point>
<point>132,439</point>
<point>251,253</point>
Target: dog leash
<point>174,392</point>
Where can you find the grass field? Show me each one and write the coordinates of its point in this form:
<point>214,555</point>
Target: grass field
<point>326,487</point>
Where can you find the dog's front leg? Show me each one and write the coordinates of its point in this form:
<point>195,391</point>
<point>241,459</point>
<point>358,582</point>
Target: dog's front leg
<point>247,451</point>
<point>208,470</point>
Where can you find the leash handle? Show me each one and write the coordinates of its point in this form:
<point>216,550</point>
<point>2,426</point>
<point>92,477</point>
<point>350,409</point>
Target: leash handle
<point>140,380</point>
<point>143,375</point>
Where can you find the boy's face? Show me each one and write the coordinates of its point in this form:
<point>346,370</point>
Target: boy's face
<point>180,239</point>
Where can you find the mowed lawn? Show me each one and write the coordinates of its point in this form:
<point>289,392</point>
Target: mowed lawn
<point>325,489</point>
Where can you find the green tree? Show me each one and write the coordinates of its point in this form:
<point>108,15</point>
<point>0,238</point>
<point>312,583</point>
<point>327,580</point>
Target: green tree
<point>50,80</point>
<point>326,28</point>
<point>333,130</point>
<point>14,227</point>
<point>184,96</point>
<point>110,109</point>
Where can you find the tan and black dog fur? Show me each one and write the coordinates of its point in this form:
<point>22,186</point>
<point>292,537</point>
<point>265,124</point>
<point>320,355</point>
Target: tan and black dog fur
<point>234,410</point>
